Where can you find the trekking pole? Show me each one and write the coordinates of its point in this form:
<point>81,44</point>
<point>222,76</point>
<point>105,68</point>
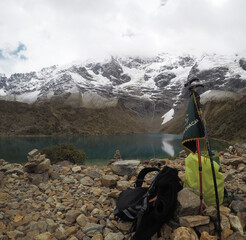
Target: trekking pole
<point>200,173</point>
<point>196,96</point>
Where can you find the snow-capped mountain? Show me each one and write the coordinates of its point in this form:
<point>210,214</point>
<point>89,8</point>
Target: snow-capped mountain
<point>148,86</point>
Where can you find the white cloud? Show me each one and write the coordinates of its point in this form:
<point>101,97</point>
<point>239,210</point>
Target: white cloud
<point>61,31</point>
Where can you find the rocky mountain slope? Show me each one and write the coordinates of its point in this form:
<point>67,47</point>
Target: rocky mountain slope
<point>142,89</point>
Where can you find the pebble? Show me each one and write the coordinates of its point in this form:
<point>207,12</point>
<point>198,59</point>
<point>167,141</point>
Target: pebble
<point>77,202</point>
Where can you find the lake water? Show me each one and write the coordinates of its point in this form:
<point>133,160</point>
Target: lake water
<point>100,149</point>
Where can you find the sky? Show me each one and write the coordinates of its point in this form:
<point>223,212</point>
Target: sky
<point>40,33</point>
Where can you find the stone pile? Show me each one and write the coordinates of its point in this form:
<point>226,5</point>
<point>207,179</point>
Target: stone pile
<point>77,202</point>
<point>37,167</point>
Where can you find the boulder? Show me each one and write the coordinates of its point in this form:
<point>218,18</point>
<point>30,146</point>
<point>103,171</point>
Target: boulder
<point>109,181</point>
<point>126,167</point>
<point>238,206</point>
<point>193,221</point>
<point>189,202</point>
<point>184,233</point>
<point>235,223</point>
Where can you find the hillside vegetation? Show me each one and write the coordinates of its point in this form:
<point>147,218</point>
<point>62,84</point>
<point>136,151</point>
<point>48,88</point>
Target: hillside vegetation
<point>23,119</point>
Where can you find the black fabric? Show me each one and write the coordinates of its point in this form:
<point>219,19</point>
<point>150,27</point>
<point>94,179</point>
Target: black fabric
<point>150,214</point>
<point>167,185</point>
<point>142,174</point>
<point>129,198</point>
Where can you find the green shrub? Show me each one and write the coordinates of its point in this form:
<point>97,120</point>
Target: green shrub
<point>64,151</point>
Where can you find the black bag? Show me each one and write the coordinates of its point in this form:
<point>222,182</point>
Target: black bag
<point>149,208</point>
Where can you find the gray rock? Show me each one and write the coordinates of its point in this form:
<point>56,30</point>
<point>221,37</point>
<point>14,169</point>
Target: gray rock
<point>71,216</point>
<point>43,166</point>
<point>82,220</point>
<point>189,202</point>
<point>238,206</point>
<point>85,182</point>
<point>33,153</point>
<point>211,212</point>
<point>55,176</point>
<point>228,177</point>
<point>59,233</point>
<point>42,226</point>
<point>68,180</point>
<point>30,167</point>
<point>76,169</point>
<point>122,185</point>
<point>51,225</point>
<point>93,174</point>
<point>126,167</point>
<point>235,223</point>
<point>36,178</point>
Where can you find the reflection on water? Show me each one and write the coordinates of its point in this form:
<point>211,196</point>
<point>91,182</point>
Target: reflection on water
<point>100,149</point>
<point>167,147</point>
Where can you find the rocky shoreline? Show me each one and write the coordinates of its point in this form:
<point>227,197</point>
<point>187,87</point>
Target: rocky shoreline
<point>41,201</point>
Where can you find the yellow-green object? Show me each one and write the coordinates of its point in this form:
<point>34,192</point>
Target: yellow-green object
<point>192,178</point>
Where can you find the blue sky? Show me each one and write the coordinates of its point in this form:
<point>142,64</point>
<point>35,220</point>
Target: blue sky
<point>40,33</point>
<point>18,52</point>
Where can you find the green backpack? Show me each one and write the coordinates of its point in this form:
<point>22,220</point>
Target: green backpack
<point>192,178</point>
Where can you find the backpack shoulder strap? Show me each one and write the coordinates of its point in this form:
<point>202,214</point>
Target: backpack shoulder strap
<point>143,173</point>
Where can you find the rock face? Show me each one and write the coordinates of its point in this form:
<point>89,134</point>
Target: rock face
<point>78,203</point>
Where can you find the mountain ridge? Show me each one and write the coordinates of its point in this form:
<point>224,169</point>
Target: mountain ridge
<point>147,87</point>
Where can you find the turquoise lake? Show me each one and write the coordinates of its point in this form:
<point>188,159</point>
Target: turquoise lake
<point>101,149</point>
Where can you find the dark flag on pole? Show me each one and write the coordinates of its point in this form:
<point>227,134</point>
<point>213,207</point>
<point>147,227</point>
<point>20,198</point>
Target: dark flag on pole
<point>195,129</point>
<point>193,126</point>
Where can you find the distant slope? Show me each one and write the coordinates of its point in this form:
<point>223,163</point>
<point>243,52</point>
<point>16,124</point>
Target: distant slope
<point>23,119</point>
<point>225,115</point>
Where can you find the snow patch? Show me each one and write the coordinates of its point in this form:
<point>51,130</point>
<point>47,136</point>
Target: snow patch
<point>2,92</point>
<point>168,116</point>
